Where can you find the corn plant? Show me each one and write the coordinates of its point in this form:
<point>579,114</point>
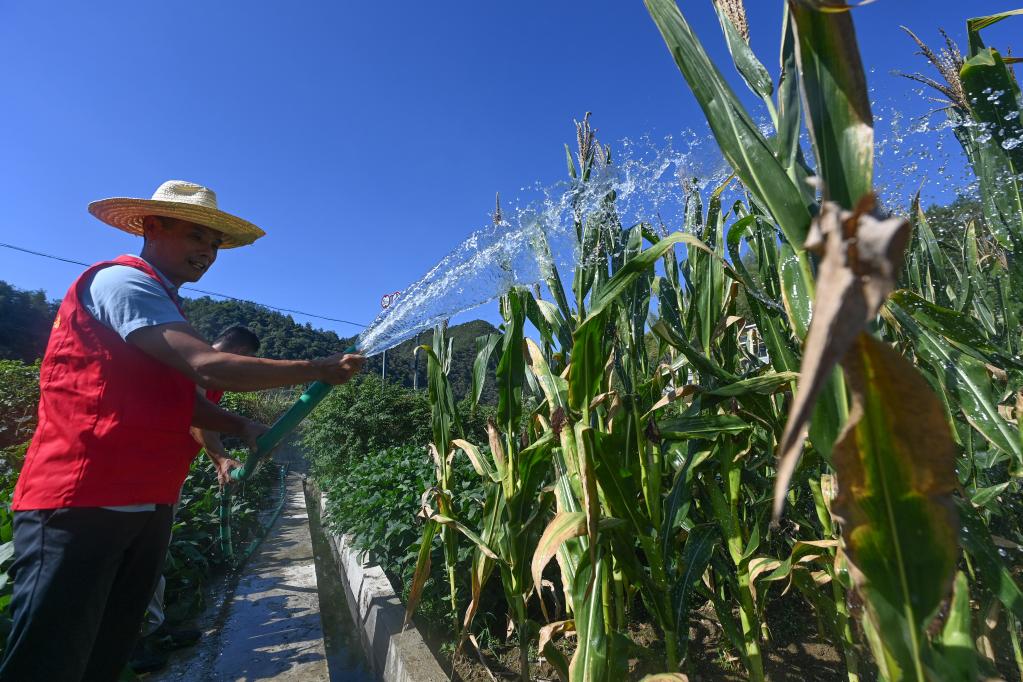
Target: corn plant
<point>445,423</point>
<point>645,466</point>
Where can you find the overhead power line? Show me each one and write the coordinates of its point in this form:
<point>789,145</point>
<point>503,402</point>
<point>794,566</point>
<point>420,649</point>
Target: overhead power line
<point>201,291</point>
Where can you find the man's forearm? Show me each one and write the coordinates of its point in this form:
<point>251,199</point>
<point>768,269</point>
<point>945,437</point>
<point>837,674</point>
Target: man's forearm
<point>211,443</point>
<point>179,346</point>
<point>227,372</point>
<point>210,417</point>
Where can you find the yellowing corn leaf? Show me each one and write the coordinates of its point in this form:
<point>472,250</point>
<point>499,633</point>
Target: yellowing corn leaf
<point>895,466</point>
<point>554,388</point>
<point>547,649</point>
<point>672,396</point>
<point>497,452</point>
<point>586,447</point>
<point>483,467</point>
<point>862,255</point>
<point>556,629</point>
<point>422,571</point>
<point>562,527</point>
<point>427,511</point>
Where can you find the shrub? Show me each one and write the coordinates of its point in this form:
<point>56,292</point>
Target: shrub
<point>376,499</point>
<point>19,400</point>
<point>368,414</point>
<point>364,415</point>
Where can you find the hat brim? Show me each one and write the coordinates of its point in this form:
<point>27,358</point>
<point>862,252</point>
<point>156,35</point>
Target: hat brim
<point>127,214</point>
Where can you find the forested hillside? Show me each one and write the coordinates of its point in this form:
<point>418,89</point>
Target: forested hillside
<point>25,320</point>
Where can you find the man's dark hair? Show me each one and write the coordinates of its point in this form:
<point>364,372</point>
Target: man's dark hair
<point>239,337</point>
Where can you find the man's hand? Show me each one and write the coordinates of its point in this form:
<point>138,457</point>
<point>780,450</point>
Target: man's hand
<point>339,368</point>
<point>224,466</point>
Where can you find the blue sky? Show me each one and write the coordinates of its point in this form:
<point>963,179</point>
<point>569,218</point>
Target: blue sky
<point>368,139</point>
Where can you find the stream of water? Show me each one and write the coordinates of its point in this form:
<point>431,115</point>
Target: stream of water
<point>536,232</point>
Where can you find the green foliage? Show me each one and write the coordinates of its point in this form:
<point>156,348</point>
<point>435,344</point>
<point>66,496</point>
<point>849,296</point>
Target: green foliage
<point>375,500</point>
<point>26,320</point>
<point>19,398</point>
<point>401,362</point>
<point>362,416</point>
<point>368,414</point>
<point>951,220</point>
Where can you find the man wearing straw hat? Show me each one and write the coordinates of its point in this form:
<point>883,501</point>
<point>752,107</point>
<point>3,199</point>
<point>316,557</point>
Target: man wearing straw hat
<point>92,506</point>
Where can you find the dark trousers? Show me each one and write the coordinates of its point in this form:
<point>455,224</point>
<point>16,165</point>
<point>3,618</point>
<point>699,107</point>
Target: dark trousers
<point>82,580</point>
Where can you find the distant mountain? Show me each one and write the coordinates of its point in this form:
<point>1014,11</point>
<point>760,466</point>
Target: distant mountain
<point>26,318</point>
<point>401,361</point>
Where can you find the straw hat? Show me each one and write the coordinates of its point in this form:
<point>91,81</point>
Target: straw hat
<point>181,200</point>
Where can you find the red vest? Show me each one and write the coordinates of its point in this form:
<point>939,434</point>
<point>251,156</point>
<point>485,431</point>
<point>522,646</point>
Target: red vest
<point>113,422</point>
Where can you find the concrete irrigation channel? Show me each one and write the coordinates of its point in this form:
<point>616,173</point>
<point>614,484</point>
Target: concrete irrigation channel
<point>305,607</point>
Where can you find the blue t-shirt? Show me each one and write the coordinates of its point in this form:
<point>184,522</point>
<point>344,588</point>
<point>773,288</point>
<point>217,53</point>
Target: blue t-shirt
<point>123,298</point>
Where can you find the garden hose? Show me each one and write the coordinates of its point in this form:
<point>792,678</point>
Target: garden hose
<point>280,429</point>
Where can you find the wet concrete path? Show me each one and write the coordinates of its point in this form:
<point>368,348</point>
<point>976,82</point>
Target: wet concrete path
<point>270,628</point>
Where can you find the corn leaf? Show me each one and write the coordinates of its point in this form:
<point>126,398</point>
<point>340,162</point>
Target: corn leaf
<point>976,24</point>
<point>747,64</point>
<point>998,151</point>
<point>701,426</point>
<point>422,570</point>
<point>696,555</point>
<point>977,542</point>
<point>955,644</point>
<point>590,662</point>
<point>484,349</point>
<point>554,387</point>
<point>750,154</point>
<point>788,118</point>
<point>511,365</point>
<point>483,466</point>
<point>765,384</point>
<point>564,526</point>
<point>958,329</point>
<point>855,278</point>
<point>896,463</point>
<point>554,657</point>
<point>836,100</point>
<point>585,375</point>
<point>966,379</point>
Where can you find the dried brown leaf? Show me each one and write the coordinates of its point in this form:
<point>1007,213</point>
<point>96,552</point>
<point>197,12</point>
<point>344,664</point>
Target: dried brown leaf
<point>862,254</point>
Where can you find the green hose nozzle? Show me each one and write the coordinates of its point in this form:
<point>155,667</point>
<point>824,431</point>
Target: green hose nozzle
<point>284,425</point>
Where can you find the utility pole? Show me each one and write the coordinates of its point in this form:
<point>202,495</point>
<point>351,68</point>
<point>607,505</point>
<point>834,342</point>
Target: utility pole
<point>415,368</point>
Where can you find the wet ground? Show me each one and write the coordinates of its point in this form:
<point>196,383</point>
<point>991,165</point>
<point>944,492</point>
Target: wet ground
<point>266,623</point>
